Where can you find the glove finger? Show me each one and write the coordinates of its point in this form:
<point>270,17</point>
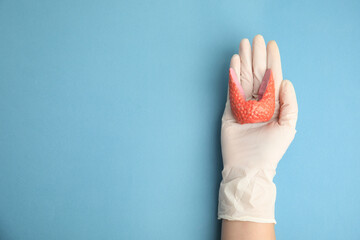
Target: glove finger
<point>259,62</point>
<point>274,62</point>
<point>246,76</point>
<point>288,105</point>
<point>234,64</point>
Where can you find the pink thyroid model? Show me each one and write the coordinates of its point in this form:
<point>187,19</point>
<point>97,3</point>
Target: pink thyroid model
<point>252,111</point>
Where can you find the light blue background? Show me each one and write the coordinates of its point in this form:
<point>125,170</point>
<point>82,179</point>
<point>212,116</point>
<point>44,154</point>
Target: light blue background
<point>110,115</point>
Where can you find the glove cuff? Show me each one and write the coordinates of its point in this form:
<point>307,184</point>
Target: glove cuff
<point>247,195</point>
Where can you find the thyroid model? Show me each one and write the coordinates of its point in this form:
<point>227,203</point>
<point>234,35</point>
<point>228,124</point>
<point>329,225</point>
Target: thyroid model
<point>252,111</point>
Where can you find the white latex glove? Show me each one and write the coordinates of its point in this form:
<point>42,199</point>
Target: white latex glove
<point>251,152</point>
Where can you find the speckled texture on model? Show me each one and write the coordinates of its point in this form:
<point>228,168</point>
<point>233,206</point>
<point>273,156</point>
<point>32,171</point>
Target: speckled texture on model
<point>252,111</point>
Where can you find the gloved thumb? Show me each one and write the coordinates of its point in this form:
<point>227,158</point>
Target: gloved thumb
<point>288,105</point>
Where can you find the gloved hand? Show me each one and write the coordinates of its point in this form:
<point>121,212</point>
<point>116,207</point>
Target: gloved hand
<point>251,152</point>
